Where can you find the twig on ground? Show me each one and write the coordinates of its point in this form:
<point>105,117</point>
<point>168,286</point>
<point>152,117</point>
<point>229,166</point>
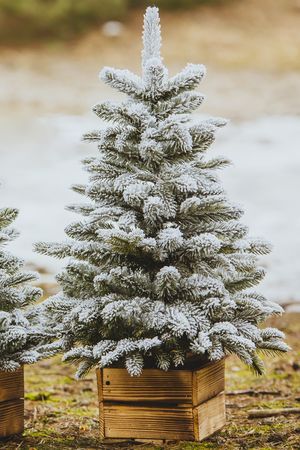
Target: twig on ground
<point>259,413</point>
<point>253,393</point>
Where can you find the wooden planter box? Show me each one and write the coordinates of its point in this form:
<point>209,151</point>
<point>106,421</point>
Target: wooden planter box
<point>187,404</point>
<point>11,403</point>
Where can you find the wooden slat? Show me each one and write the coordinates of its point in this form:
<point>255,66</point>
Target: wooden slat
<point>208,382</point>
<point>11,385</point>
<point>99,374</point>
<point>154,385</point>
<point>101,420</point>
<point>100,397</point>
<point>11,417</point>
<point>209,417</point>
<point>147,422</point>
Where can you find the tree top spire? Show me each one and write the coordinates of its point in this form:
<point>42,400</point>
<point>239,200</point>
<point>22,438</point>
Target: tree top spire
<point>151,35</point>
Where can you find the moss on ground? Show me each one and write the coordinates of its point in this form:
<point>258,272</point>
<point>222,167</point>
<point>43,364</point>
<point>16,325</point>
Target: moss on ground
<point>62,413</point>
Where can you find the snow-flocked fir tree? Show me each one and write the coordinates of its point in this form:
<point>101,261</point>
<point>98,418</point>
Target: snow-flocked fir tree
<point>20,335</point>
<point>159,266</point>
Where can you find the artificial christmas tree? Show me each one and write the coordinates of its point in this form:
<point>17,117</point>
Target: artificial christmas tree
<point>160,266</point>
<point>19,338</point>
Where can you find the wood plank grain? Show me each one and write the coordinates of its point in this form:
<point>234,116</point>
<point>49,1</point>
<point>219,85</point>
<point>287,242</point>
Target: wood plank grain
<point>99,373</point>
<point>11,417</point>
<point>209,417</point>
<point>147,422</point>
<point>159,405</point>
<point>11,385</point>
<point>100,397</point>
<point>101,420</point>
<point>208,382</point>
<point>154,385</point>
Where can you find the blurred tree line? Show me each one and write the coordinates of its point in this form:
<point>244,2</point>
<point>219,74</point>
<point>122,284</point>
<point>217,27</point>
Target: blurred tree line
<point>25,20</point>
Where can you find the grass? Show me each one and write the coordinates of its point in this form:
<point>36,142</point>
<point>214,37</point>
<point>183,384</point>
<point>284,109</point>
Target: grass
<point>229,35</point>
<point>62,413</point>
<point>23,21</point>
<point>26,20</point>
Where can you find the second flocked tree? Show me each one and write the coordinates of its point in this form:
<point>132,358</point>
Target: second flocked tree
<point>21,336</point>
<point>160,267</point>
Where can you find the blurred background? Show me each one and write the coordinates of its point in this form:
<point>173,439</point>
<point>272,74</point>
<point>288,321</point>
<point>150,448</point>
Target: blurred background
<point>51,53</point>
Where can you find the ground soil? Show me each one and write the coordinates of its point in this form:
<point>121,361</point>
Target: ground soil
<point>62,413</point>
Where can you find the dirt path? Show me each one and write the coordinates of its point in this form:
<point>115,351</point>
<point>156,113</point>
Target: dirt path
<point>58,85</point>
